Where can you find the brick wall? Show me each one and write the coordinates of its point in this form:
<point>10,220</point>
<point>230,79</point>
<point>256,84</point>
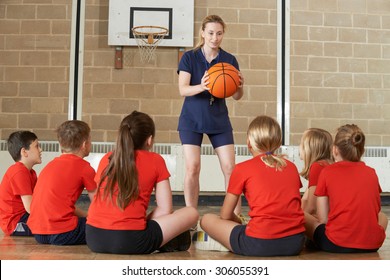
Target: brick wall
<point>339,65</point>
<point>34,65</point>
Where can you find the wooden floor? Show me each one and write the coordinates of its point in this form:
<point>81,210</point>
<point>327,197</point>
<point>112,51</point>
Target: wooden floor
<point>25,248</point>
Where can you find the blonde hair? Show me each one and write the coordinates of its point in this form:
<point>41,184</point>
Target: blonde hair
<point>206,20</point>
<point>350,141</point>
<point>265,136</point>
<point>316,145</point>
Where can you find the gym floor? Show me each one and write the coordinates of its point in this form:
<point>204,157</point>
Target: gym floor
<point>26,248</point>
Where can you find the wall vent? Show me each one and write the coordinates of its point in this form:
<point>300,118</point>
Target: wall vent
<point>97,147</point>
<point>3,146</point>
<point>162,149</point>
<point>207,150</point>
<point>242,151</point>
<point>102,148</point>
<point>375,152</point>
<point>211,177</point>
<point>49,146</point>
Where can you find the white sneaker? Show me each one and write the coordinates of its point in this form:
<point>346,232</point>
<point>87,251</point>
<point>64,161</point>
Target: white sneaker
<point>202,241</point>
<point>196,227</point>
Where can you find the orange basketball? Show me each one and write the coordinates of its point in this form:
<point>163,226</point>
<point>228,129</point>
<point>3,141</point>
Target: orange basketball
<point>224,80</point>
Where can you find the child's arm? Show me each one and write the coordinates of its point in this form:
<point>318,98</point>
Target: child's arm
<point>82,213</point>
<point>91,195</point>
<point>26,199</point>
<point>227,210</point>
<point>79,212</point>
<point>163,200</point>
<point>322,209</point>
<point>309,201</point>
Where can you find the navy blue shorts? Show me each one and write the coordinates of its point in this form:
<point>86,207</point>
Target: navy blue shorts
<point>21,227</point>
<point>73,237</point>
<point>323,243</point>
<point>217,140</point>
<point>125,241</point>
<point>250,246</point>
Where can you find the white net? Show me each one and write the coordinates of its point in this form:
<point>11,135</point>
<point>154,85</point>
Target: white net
<point>148,38</point>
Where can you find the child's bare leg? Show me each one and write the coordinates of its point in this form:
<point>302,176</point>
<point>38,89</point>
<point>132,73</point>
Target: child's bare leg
<point>382,220</point>
<point>218,229</point>
<point>304,198</point>
<point>176,223</point>
<point>311,223</point>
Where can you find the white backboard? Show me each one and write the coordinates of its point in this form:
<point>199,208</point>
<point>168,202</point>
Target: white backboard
<point>175,15</point>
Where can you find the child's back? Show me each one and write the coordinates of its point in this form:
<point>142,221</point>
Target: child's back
<point>271,186</point>
<point>133,217</point>
<point>126,177</point>
<point>269,192</point>
<point>349,217</point>
<point>59,186</point>
<point>55,219</point>
<point>353,219</point>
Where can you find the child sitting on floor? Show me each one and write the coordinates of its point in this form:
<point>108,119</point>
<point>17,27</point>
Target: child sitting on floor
<point>349,217</point>
<point>271,186</point>
<point>316,152</point>
<point>127,176</point>
<point>54,218</point>
<point>18,183</point>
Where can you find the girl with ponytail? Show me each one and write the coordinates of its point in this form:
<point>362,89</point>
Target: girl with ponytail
<point>349,217</point>
<point>118,222</point>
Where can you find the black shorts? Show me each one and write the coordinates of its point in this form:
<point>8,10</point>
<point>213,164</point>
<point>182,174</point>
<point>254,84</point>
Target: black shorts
<point>73,237</point>
<point>323,243</point>
<point>196,138</point>
<point>125,241</point>
<point>250,246</point>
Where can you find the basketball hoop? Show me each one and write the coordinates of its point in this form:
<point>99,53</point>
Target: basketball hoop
<point>148,38</point>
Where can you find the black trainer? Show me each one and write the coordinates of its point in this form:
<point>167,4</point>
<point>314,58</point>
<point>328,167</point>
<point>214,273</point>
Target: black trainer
<point>182,242</point>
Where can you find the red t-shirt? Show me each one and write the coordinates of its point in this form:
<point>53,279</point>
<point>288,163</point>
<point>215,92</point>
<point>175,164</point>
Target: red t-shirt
<point>273,197</point>
<point>315,170</point>
<point>353,191</point>
<point>59,186</point>
<point>17,181</point>
<point>106,214</point>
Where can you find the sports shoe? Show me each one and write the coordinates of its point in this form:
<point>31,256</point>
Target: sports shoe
<point>182,242</point>
<point>196,227</point>
<point>203,241</point>
<point>309,244</point>
<point>243,219</point>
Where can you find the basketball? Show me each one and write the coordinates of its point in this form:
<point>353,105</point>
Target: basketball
<point>224,80</point>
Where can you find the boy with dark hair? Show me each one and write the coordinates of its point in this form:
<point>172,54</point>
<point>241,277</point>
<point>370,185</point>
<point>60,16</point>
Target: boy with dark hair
<point>55,219</point>
<point>18,183</point>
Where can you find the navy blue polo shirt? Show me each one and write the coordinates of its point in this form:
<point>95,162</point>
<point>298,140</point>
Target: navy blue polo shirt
<point>197,114</point>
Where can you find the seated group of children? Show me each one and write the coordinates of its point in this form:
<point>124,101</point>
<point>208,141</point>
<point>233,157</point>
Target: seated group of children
<point>339,212</point>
